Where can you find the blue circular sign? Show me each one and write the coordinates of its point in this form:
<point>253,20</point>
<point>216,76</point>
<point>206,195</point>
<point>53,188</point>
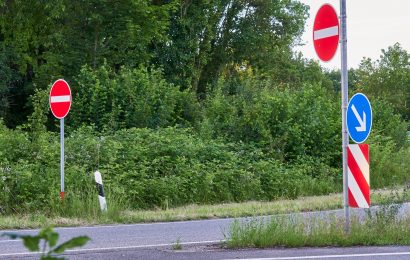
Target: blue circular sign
<point>359,118</point>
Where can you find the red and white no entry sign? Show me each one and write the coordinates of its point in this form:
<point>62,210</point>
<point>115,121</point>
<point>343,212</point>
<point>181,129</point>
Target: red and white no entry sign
<point>326,32</point>
<point>60,98</point>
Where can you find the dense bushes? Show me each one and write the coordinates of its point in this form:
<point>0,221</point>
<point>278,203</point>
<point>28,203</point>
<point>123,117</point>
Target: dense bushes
<point>146,168</point>
<point>389,148</point>
<point>166,167</point>
<point>286,123</point>
<point>129,98</point>
<point>157,146</point>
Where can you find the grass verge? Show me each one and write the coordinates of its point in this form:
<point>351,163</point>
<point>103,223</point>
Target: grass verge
<point>76,214</point>
<point>380,229</point>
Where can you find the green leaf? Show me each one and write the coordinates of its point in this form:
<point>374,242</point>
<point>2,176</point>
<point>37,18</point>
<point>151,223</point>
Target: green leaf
<point>52,239</point>
<point>45,232</point>
<point>74,242</point>
<point>31,242</point>
<point>49,235</point>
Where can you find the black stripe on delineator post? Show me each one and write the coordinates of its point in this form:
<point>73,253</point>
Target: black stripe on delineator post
<point>100,189</point>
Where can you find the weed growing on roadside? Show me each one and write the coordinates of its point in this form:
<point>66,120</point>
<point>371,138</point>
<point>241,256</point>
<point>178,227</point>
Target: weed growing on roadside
<point>177,244</point>
<point>383,227</point>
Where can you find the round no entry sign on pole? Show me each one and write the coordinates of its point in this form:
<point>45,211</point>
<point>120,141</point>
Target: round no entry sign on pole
<point>60,98</point>
<point>326,32</point>
<point>60,103</point>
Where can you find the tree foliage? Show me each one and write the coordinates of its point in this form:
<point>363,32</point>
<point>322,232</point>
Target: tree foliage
<point>130,98</point>
<point>10,85</point>
<point>388,78</point>
<point>209,37</point>
<point>42,41</point>
<point>56,38</point>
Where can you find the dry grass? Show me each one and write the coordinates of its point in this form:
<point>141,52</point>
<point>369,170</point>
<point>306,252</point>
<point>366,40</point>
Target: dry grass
<point>191,212</point>
<point>251,208</point>
<point>38,220</point>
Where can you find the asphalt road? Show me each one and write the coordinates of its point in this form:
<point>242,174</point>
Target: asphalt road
<point>199,240</point>
<point>125,237</point>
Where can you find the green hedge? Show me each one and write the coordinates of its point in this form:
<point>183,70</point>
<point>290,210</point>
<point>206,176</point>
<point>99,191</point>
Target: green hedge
<point>167,167</point>
<point>147,168</point>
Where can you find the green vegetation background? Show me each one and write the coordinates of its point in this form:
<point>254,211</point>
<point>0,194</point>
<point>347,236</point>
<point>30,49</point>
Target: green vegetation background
<point>180,102</point>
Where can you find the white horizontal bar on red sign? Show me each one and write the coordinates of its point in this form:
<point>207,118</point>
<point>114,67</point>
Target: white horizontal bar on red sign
<point>60,99</point>
<point>325,33</point>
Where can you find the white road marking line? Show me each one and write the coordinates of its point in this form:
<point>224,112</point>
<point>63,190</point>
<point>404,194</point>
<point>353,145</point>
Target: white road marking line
<point>127,225</point>
<point>60,99</point>
<point>356,191</point>
<point>11,240</point>
<point>324,256</point>
<point>118,248</point>
<point>361,161</point>
<point>325,33</point>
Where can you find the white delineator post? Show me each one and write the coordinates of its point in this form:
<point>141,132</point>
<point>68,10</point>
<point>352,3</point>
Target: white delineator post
<point>100,188</point>
<point>344,91</point>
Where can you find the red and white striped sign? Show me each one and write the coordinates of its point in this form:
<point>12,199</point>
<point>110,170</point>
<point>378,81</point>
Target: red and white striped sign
<point>358,179</point>
<point>60,98</point>
<point>326,32</point>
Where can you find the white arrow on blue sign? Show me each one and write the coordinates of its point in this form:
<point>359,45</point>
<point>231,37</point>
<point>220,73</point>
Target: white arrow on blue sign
<point>359,118</point>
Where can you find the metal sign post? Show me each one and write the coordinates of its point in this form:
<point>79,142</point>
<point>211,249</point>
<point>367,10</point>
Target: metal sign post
<point>62,157</point>
<point>344,91</point>
<point>60,104</point>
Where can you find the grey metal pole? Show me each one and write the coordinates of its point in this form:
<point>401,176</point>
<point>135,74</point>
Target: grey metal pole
<point>62,157</point>
<point>344,90</point>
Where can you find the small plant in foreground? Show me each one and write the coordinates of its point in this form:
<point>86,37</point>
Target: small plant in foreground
<point>49,238</point>
<point>177,245</point>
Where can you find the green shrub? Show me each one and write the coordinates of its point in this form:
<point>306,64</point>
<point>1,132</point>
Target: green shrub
<point>129,98</point>
<point>388,167</point>
<point>387,125</point>
<point>285,123</point>
<point>145,168</point>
